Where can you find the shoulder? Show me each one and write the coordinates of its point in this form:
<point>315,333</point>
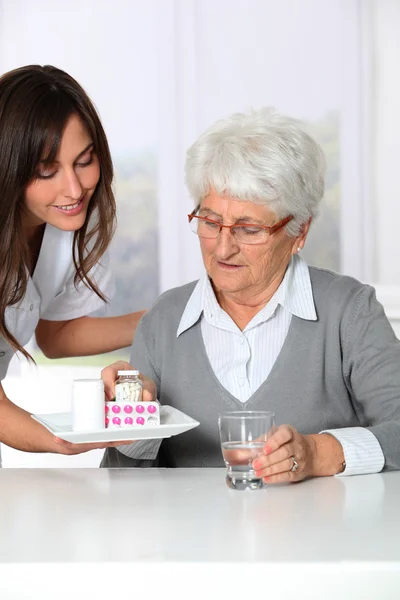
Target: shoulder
<point>325,282</point>
<point>338,294</point>
<point>167,310</point>
<point>181,293</point>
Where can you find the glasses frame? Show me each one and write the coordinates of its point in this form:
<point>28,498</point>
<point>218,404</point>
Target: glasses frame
<point>271,229</point>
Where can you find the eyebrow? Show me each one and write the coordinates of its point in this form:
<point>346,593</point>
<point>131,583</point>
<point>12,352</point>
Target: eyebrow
<point>242,219</point>
<point>52,162</point>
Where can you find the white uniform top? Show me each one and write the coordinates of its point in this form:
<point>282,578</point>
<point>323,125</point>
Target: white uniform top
<point>51,293</point>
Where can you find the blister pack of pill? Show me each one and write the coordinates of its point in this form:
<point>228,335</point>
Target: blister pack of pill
<point>131,414</point>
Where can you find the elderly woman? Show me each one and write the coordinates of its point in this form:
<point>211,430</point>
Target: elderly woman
<point>263,331</point>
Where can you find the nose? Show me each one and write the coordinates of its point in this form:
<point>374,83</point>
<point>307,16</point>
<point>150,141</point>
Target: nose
<point>226,244</point>
<point>72,187</point>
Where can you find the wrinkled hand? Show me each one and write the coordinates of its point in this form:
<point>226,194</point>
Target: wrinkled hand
<point>276,462</point>
<point>109,376</point>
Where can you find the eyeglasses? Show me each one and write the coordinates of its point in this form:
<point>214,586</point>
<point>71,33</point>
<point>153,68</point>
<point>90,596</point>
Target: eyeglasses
<point>245,233</point>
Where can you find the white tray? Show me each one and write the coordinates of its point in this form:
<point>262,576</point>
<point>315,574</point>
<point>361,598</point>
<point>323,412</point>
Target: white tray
<point>173,422</point>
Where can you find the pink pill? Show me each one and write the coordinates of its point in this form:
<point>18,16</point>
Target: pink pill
<point>139,408</point>
<point>107,421</point>
<point>129,420</point>
<point>107,408</point>
<point>140,421</point>
<point>116,408</point>
<point>152,408</point>
<point>116,421</point>
<point>128,408</point>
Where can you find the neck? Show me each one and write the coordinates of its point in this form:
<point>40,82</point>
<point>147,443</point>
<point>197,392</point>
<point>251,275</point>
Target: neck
<point>242,306</point>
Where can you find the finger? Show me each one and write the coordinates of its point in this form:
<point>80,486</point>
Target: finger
<point>116,444</point>
<point>70,448</point>
<point>147,395</point>
<point>149,389</point>
<point>109,376</point>
<point>238,456</point>
<point>279,467</point>
<point>286,477</point>
<point>283,453</point>
<point>282,435</point>
<point>103,445</point>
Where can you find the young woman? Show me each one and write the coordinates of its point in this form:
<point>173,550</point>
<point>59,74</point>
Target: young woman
<point>57,218</point>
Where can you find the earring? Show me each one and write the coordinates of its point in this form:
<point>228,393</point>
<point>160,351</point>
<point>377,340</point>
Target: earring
<point>298,249</point>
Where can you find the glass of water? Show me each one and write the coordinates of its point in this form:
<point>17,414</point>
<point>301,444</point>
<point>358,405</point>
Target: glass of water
<point>243,437</point>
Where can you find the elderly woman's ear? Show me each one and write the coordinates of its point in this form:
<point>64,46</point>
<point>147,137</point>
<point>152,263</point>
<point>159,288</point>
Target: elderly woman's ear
<point>301,238</point>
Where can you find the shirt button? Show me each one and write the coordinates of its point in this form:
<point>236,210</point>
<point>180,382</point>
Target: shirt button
<point>31,307</point>
<point>2,353</point>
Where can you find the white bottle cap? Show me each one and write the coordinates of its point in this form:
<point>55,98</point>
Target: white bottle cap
<point>134,372</point>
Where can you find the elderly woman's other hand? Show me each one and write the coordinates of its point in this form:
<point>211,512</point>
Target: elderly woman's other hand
<point>109,376</point>
<point>289,456</point>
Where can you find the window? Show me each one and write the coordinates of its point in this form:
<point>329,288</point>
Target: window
<point>303,59</point>
<point>160,72</point>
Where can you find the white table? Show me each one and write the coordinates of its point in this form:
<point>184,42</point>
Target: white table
<point>102,532</point>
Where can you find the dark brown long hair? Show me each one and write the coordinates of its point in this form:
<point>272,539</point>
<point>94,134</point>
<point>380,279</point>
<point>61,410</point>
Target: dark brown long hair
<point>35,105</point>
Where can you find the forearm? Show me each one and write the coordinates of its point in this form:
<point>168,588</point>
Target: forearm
<point>87,336</point>
<point>20,431</point>
<point>362,451</point>
<point>328,455</point>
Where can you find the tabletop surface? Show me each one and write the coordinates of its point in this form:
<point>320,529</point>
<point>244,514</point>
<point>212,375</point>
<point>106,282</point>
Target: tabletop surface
<point>103,515</point>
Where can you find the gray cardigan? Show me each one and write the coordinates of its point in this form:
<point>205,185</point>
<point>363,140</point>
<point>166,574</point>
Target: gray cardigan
<point>342,370</point>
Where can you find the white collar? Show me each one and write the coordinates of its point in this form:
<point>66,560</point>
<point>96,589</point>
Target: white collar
<point>294,294</point>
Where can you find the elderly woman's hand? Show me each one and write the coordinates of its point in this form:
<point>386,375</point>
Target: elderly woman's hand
<point>289,456</point>
<point>109,376</point>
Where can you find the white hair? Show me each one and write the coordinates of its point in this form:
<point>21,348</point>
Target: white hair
<point>261,157</point>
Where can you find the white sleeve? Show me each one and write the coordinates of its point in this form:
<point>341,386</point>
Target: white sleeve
<point>74,302</point>
<point>362,451</point>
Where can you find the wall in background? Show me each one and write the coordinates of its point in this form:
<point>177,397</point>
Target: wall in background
<point>160,71</point>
